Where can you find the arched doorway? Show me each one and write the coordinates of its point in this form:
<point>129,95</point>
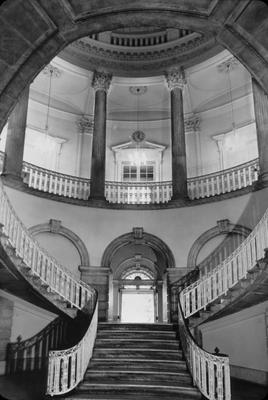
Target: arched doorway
<point>138,264</point>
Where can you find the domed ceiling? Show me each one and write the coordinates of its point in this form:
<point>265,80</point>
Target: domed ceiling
<point>142,51</point>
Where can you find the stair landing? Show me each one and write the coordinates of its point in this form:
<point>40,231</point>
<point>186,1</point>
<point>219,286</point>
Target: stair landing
<point>136,361</point>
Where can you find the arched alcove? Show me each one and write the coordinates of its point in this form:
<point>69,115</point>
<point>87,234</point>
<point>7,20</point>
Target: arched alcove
<point>228,236</point>
<point>129,254</point>
<point>56,228</point>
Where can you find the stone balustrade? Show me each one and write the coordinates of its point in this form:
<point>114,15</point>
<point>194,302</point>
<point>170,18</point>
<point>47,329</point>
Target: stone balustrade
<point>199,187</point>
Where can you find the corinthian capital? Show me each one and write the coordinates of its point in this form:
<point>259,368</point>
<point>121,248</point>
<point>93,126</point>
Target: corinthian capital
<point>85,124</point>
<point>175,79</point>
<point>101,81</point>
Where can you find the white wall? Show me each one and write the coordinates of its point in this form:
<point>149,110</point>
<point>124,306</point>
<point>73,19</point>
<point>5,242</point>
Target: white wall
<point>62,249</point>
<point>28,319</point>
<point>178,227</point>
<point>243,336</point>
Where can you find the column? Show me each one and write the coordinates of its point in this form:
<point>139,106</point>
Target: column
<point>261,117</point>
<point>101,83</point>
<point>176,81</point>
<point>16,137</point>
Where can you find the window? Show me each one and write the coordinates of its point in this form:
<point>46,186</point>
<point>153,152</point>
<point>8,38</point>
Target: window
<point>136,173</point>
<point>147,173</point>
<point>129,173</point>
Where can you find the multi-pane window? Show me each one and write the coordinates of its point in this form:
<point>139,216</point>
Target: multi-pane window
<point>129,173</point>
<point>136,173</point>
<point>147,173</point>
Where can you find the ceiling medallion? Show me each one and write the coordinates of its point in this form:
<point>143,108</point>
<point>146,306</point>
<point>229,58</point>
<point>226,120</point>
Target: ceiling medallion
<point>138,136</point>
<point>138,90</point>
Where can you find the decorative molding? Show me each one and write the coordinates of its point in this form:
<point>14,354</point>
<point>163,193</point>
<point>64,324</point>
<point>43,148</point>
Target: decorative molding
<point>101,81</point>
<point>85,124</point>
<point>152,241</point>
<point>137,233</point>
<point>175,79</point>
<point>223,226</point>
<point>138,136</point>
<point>192,124</point>
<point>138,90</point>
<point>228,65</point>
<point>163,51</point>
<point>51,70</point>
<point>55,226</point>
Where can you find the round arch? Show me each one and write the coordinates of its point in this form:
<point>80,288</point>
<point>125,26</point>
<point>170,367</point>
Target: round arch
<point>138,236</point>
<point>222,227</point>
<point>55,226</point>
<point>24,51</point>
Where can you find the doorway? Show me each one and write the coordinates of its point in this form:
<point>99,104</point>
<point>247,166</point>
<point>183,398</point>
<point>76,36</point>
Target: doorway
<point>137,305</point>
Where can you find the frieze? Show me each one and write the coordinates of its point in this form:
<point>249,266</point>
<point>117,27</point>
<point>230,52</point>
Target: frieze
<point>126,55</point>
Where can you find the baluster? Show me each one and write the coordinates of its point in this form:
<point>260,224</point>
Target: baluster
<point>211,379</point>
<point>40,183</point>
<point>35,179</point>
<point>228,182</point>
<point>203,380</point>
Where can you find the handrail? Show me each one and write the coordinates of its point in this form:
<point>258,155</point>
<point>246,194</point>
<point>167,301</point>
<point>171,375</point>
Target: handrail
<point>210,372</point>
<point>224,181</point>
<point>40,263</point>
<point>55,182</point>
<point>228,273</point>
<point>66,368</point>
<point>31,354</point>
<point>203,186</point>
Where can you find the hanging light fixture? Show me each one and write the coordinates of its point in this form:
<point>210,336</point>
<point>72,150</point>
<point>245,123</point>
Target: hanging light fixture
<point>138,136</point>
<point>227,66</point>
<point>52,72</point>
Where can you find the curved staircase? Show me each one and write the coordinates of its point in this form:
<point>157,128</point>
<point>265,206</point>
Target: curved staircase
<point>136,361</point>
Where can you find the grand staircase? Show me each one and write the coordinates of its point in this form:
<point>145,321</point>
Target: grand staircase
<point>136,361</point>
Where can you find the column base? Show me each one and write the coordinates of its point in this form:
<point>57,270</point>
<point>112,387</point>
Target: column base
<point>262,181</point>
<point>98,200</point>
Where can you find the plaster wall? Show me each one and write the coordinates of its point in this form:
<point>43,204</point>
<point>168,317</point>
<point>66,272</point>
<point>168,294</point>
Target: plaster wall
<point>178,227</point>
<point>62,249</point>
<point>27,319</point>
<point>243,336</point>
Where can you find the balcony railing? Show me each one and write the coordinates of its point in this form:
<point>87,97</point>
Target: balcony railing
<point>54,182</point>
<point>199,187</point>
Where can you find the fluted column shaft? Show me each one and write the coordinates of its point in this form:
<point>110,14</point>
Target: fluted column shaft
<point>16,137</point>
<point>175,81</point>
<point>261,117</point>
<point>101,83</point>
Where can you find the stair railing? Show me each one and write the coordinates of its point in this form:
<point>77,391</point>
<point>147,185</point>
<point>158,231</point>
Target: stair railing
<point>66,368</point>
<point>210,372</point>
<point>31,354</point>
<point>38,261</point>
<point>228,273</point>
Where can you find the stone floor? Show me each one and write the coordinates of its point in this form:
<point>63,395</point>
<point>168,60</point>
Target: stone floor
<point>31,387</point>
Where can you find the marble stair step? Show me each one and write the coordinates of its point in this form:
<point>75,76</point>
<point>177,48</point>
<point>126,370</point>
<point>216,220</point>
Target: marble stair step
<point>138,353</point>
<point>136,334</point>
<point>134,327</point>
<point>137,392</point>
<point>137,343</point>
<point>128,364</point>
<point>138,377</point>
